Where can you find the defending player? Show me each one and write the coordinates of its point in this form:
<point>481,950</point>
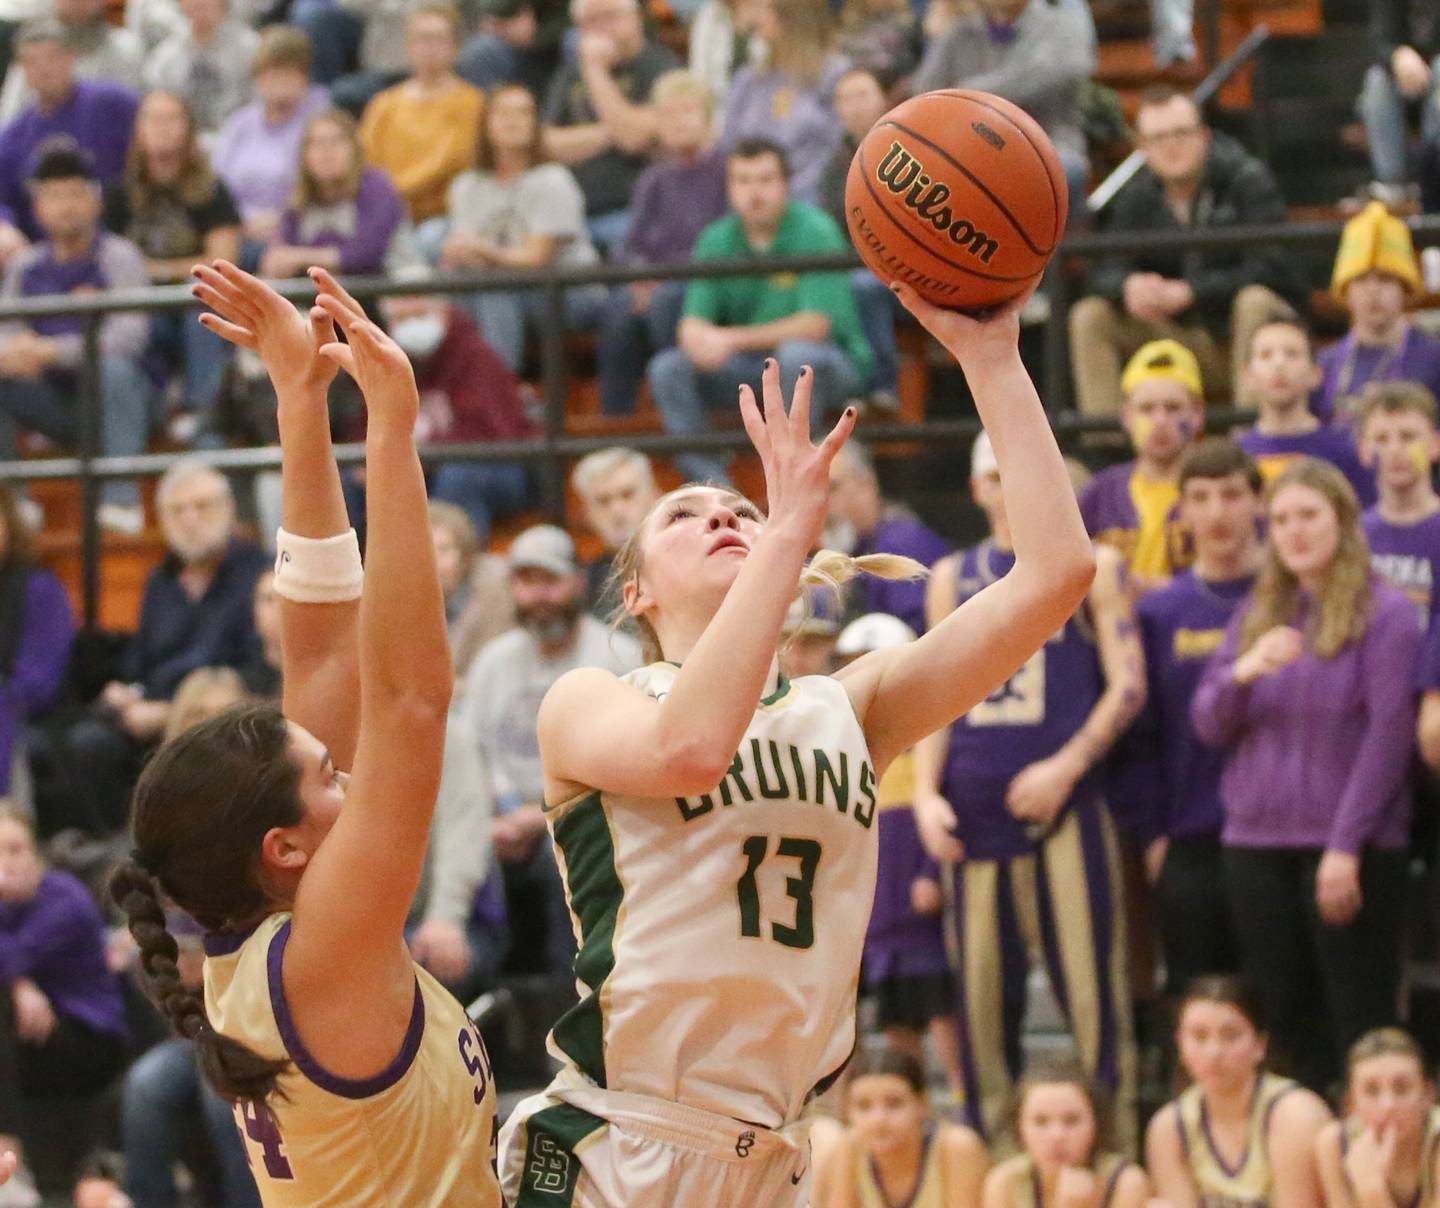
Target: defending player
<point>715,822</point>
<point>357,1079</point>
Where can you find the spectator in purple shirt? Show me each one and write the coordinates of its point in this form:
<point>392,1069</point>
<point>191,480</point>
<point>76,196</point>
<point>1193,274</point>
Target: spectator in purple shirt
<point>1376,277</point>
<point>40,361</point>
<point>37,630</point>
<point>1311,694</point>
<point>257,152</point>
<point>62,1020</point>
<point>876,526</point>
<point>98,115</point>
<point>674,200</point>
<point>344,216</point>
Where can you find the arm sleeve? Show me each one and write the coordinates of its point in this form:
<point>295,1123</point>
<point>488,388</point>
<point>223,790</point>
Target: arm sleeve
<point>10,288</point>
<point>1387,745</point>
<point>378,212</point>
<point>1384,31</point>
<point>47,633</point>
<point>57,922</point>
<point>554,204</point>
<point>1219,710</point>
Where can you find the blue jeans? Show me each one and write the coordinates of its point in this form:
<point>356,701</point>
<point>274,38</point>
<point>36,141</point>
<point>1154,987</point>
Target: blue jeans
<point>607,231</point>
<point>50,405</point>
<point>683,393</point>
<point>162,1090</point>
<point>335,36</point>
<point>878,307</point>
<point>1382,109</point>
<point>177,341</point>
<point>504,317</point>
<point>629,338</point>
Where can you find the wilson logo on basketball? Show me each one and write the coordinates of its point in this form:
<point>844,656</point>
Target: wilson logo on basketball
<point>901,172</point>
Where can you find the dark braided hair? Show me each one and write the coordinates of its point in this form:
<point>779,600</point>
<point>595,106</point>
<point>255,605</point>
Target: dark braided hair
<point>201,810</point>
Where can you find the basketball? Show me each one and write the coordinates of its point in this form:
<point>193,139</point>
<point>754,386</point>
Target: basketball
<point>959,194</point>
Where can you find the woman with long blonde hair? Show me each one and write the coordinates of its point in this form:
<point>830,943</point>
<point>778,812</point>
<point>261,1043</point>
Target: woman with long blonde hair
<point>789,97</point>
<point>1311,696</point>
<point>715,822</point>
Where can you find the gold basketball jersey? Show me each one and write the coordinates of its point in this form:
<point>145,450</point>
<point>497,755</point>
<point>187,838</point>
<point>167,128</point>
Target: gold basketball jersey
<point>929,1191</point>
<point>1025,1191</point>
<point>1248,1183</point>
<point>1425,1193</point>
<point>421,1134</point>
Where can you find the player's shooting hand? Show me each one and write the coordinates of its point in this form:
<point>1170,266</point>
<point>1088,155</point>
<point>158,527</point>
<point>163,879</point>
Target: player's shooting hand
<point>381,370</point>
<point>250,314</point>
<point>797,472</point>
<point>969,338</point>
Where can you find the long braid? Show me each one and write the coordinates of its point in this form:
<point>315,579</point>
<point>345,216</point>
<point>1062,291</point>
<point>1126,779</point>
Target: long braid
<point>236,1072</point>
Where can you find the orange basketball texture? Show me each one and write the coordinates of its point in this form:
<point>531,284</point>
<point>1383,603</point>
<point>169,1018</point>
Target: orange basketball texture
<point>959,194</point>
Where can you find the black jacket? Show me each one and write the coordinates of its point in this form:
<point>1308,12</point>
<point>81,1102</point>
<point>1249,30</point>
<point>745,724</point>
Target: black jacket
<point>1236,190</point>
<point>1396,23</point>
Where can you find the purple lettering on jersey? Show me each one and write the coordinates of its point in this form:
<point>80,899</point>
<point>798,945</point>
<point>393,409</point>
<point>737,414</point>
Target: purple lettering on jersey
<point>256,1122</point>
<point>476,1059</point>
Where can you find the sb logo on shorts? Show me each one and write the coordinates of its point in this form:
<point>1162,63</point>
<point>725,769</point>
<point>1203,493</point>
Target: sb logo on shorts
<point>549,1166</point>
<point>745,1142</point>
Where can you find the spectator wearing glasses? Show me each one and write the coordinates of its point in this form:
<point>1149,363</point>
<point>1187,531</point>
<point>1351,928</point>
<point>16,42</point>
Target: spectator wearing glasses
<point>1193,180</point>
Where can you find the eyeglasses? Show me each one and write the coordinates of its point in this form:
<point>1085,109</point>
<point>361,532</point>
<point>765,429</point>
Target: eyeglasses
<point>1161,138</point>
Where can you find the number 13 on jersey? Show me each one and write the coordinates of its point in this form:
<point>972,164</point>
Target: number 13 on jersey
<point>800,887</point>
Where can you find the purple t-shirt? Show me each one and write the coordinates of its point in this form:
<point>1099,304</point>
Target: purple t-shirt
<point>42,654</point>
<point>1407,556</point>
<point>98,115</point>
<point>1318,754</point>
<point>361,228</point>
<point>258,161</point>
<point>672,203</point>
<point>57,940</point>
<point>1333,444</point>
<point>1182,624</point>
<point>899,533</point>
<point>899,942</point>
<point>1347,367</point>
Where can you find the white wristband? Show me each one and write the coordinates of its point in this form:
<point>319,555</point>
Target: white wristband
<point>318,570</point>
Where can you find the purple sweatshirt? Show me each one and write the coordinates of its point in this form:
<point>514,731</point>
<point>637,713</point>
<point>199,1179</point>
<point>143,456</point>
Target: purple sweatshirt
<point>47,631</point>
<point>1318,753</point>
<point>766,104</point>
<point>362,228</point>
<point>1348,366</point>
<point>98,115</point>
<point>1177,777</point>
<point>57,940</point>
<point>672,203</point>
<point>259,162</point>
<point>899,533</point>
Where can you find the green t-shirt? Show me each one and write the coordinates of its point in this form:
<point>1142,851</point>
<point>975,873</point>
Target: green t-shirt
<point>743,301</point>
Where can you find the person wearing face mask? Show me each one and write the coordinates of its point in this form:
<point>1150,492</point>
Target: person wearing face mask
<point>466,394</point>
<point>502,696</point>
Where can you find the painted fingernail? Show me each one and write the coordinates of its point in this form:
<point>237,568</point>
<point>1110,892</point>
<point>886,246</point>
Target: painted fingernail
<point>849,411</point>
<point>806,371</point>
<point>769,362</point>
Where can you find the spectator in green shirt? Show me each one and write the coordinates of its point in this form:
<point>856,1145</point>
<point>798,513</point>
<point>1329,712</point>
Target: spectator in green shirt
<point>732,324</point>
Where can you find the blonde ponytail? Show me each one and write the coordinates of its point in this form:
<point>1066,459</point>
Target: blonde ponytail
<point>832,569</point>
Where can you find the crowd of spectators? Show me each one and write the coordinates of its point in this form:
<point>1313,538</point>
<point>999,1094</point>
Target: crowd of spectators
<point>1236,726</point>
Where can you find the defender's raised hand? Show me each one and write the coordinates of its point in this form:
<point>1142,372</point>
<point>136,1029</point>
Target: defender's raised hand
<point>381,370</point>
<point>250,314</point>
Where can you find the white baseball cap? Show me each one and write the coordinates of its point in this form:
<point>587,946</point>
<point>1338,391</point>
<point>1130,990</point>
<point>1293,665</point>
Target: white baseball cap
<point>873,631</point>
<point>544,547</point>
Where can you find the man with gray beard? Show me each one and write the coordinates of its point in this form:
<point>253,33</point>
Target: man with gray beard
<point>198,611</point>
<point>502,696</point>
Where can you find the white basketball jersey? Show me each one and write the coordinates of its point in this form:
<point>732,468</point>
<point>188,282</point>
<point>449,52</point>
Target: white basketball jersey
<point>720,935</point>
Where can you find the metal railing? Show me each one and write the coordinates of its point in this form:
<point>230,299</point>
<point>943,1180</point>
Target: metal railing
<point>551,449</point>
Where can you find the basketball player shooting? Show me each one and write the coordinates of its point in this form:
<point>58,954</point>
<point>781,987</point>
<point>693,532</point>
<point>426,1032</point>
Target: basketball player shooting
<point>714,823</point>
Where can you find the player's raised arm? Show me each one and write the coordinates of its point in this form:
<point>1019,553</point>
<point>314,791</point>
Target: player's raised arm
<point>596,731</point>
<point>320,670</point>
<point>910,691</point>
<point>359,886</point>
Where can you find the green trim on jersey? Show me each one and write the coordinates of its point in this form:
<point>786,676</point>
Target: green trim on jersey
<point>584,839</point>
<point>782,685</point>
<point>552,1168</point>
